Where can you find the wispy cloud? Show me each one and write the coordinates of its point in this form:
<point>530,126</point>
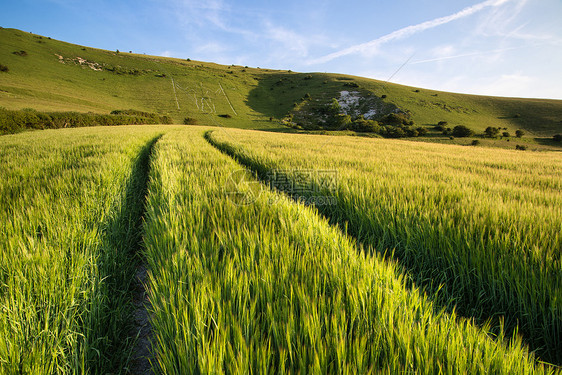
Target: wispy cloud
<point>408,31</point>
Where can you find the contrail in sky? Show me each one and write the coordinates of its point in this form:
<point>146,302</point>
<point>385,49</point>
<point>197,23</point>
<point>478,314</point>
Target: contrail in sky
<point>408,31</point>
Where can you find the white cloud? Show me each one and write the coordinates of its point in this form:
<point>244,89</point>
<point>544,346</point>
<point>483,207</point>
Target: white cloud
<point>405,32</point>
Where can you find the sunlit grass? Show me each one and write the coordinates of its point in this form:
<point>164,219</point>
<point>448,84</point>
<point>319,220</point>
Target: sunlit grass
<point>481,226</point>
<point>273,288</point>
<point>69,201</point>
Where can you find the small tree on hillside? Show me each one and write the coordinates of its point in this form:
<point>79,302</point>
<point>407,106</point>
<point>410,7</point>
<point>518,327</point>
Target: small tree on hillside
<point>462,131</point>
<point>491,132</point>
<point>519,133</point>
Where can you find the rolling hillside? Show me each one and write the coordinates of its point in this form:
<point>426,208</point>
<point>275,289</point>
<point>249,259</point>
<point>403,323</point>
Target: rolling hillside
<point>49,75</point>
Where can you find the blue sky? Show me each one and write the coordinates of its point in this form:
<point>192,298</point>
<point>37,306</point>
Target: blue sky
<point>491,47</point>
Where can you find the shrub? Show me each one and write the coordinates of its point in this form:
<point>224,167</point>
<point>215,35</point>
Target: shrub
<point>309,76</point>
<point>4,68</point>
<point>421,131</point>
<point>20,53</point>
<point>363,125</point>
<point>506,134</point>
<point>475,142</point>
<point>519,133</point>
<point>225,116</point>
<point>189,121</point>
<point>517,115</point>
<point>462,131</point>
<point>438,128</point>
<point>491,132</point>
<point>520,147</point>
<point>395,132</point>
<point>383,96</point>
<point>396,119</point>
<point>442,123</point>
<point>557,138</point>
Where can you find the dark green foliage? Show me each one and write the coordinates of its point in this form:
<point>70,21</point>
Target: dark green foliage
<point>462,131</point>
<point>396,119</point>
<point>394,132</point>
<point>351,84</point>
<point>363,125</point>
<point>189,121</point>
<point>421,131</point>
<point>12,121</point>
<point>383,96</point>
<point>438,128</point>
<point>519,133</point>
<point>442,124</point>
<point>520,147</point>
<point>307,77</point>
<point>225,116</point>
<point>475,142</point>
<point>491,131</point>
<point>557,137</point>
<point>506,134</point>
<point>4,68</point>
<point>517,115</point>
<point>20,53</point>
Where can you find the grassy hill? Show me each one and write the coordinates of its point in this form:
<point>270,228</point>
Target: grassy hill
<point>50,75</point>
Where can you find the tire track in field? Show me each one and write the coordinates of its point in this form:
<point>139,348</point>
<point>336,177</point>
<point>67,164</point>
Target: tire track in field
<point>140,331</point>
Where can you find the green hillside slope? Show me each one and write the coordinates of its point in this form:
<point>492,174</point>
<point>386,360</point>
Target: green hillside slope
<point>50,75</point>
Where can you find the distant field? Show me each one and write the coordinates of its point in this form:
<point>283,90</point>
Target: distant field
<point>50,75</point>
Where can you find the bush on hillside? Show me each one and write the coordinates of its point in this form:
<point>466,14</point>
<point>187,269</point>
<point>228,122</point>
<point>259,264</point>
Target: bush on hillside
<point>462,131</point>
<point>506,134</point>
<point>189,121</point>
<point>520,147</point>
<point>396,119</point>
<point>557,138</point>
<point>4,68</point>
<point>364,126</point>
<point>421,131</point>
<point>225,116</point>
<point>21,53</point>
<point>491,132</point>
<point>475,142</point>
<point>519,133</point>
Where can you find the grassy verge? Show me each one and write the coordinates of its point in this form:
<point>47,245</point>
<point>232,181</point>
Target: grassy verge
<point>271,287</point>
<point>481,227</point>
<point>69,201</point>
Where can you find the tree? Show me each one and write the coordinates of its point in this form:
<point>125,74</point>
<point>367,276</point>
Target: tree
<point>462,131</point>
<point>491,132</point>
<point>506,134</point>
<point>519,133</point>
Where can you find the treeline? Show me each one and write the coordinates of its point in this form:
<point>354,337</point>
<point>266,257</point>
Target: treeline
<point>13,121</point>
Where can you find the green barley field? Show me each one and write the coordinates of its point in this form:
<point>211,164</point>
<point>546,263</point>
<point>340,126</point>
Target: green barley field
<point>270,253</point>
